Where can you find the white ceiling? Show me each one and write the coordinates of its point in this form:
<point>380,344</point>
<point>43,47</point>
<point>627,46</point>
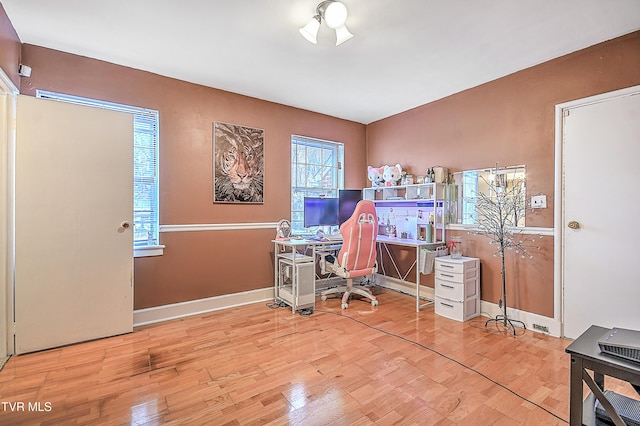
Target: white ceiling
<point>405,53</point>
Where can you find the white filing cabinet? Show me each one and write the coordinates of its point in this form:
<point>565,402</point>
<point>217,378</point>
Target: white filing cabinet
<point>296,280</point>
<point>457,287</point>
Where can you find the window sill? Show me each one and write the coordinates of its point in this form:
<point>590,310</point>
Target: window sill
<point>148,251</point>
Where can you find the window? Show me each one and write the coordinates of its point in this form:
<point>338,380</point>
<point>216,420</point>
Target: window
<point>316,170</point>
<point>145,168</point>
<point>508,182</point>
<point>470,191</point>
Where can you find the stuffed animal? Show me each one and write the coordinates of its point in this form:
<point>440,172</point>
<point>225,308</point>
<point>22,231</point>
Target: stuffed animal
<point>392,174</point>
<point>375,176</point>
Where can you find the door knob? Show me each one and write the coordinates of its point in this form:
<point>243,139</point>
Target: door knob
<point>573,224</point>
<point>125,224</point>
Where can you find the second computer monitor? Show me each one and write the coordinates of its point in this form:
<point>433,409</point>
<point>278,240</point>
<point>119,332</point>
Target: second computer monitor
<point>347,200</point>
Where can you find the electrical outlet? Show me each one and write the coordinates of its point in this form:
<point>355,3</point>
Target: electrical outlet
<point>539,202</point>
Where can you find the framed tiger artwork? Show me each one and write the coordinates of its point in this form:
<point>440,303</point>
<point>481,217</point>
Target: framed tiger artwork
<point>238,164</point>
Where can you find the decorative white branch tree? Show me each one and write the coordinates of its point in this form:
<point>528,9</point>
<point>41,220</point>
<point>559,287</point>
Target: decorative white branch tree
<point>498,213</point>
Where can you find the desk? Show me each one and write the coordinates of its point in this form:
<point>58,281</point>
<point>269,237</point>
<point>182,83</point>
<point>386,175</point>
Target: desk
<point>307,250</point>
<point>384,241</point>
<point>586,355</point>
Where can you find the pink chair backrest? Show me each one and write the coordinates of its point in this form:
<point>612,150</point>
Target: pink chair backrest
<point>358,252</point>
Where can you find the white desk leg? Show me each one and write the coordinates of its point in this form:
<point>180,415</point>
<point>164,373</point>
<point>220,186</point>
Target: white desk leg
<point>294,283</point>
<point>276,277</point>
<point>418,279</point>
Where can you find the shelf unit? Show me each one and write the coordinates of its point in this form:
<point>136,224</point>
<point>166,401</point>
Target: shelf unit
<point>411,207</point>
<point>414,192</point>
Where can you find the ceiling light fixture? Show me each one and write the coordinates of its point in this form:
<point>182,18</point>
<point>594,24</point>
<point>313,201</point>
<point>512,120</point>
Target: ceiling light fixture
<point>334,14</point>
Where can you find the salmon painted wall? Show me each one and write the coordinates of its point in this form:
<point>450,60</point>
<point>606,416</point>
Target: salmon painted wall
<point>202,264</point>
<point>508,121</point>
<point>9,48</point>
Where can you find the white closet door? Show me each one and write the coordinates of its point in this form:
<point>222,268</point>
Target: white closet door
<point>74,190</point>
<point>601,270</point>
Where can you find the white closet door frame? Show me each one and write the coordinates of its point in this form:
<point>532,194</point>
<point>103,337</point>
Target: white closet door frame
<point>559,190</point>
<point>8,94</point>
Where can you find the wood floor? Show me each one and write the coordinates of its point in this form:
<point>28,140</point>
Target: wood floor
<point>255,365</point>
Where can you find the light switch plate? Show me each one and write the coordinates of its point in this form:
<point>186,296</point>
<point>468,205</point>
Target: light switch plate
<point>539,202</point>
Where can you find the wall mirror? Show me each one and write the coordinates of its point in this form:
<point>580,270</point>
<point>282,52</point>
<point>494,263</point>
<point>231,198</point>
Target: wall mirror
<point>507,181</point>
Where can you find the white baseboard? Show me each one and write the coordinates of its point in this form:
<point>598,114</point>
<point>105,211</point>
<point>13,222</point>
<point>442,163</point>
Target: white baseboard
<point>542,324</point>
<point>403,286</point>
<point>194,307</point>
<point>534,322</point>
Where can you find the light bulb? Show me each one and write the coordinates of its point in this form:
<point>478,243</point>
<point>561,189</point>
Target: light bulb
<point>335,15</point>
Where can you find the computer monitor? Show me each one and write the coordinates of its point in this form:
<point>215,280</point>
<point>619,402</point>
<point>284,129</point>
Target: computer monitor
<point>347,200</point>
<point>320,211</point>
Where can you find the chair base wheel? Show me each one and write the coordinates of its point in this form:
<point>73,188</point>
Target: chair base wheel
<point>323,297</point>
<point>374,303</point>
<point>345,305</point>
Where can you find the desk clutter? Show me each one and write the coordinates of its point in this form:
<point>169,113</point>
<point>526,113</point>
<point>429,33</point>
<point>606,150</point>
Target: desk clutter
<point>414,211</point>
<point>394,175</point>
<point>428,258</point>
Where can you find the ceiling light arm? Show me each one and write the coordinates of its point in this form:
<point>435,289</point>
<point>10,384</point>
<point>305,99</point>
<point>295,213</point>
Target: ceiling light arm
<point>322,7</point>
<point>335,20</point>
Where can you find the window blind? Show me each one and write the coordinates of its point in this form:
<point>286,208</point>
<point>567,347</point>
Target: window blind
<point>316,170</point>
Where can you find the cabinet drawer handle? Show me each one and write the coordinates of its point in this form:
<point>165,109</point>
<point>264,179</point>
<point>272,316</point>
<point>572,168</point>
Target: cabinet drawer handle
<point>444,265</point>
<point>447,286</point>
<point>447,305</point>
<point>447,275</point>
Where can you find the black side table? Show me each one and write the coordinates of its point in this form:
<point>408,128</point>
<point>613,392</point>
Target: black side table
<point>586,355</point>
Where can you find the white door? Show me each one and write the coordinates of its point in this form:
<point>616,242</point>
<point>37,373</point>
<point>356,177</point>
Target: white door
<point>73,204</point>
<point>601,270</point>
<point>3,221</point>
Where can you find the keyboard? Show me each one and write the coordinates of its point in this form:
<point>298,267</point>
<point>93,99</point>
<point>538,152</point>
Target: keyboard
<point>312,237</point>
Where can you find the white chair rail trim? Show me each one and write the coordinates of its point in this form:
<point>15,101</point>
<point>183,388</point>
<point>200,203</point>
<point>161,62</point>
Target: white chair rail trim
<point>217,227</point>
<point>526,230</point>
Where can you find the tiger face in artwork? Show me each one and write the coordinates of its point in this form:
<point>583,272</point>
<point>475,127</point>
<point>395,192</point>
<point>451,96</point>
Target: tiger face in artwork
<point>239,163</point>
